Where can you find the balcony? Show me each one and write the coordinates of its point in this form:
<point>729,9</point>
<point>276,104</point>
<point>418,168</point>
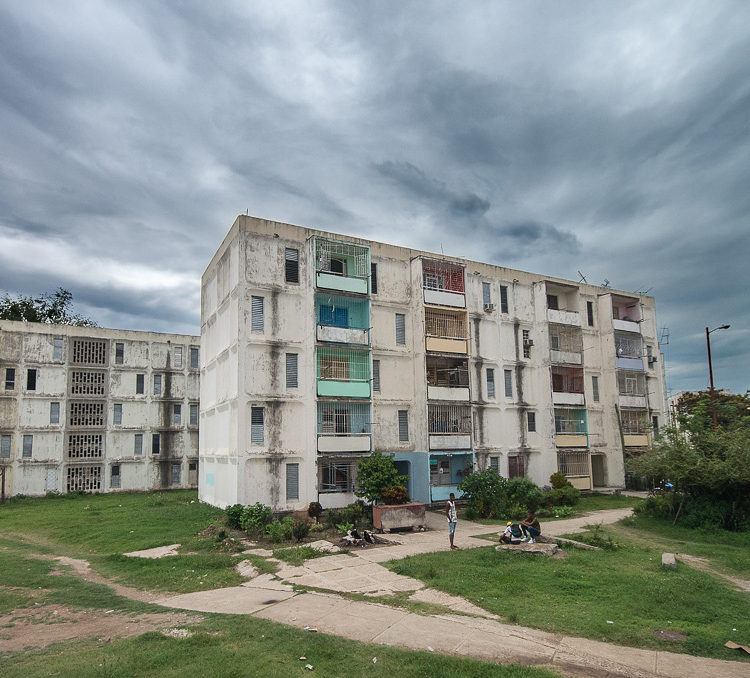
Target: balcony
<point>446,331</point>
<point>342,266</point>
<point>567,385</point>
<point>443,284</point>
<point>447,470</point>
<point>632,389</point>
<point>576,466</point>
<point>344,427</point>
<point>342,320</point>
<point>447,379</point>
<point>629,351</point>
<point>343,372</point>
<point>449,427</point>
<point>626,314</point>
<point>571,429</point>
<point>563,317</point>
<point>634,427</point>
<point>566,344</point>
<point>626,325</point>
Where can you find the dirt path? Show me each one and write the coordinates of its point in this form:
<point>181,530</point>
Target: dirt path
<point>704,565</point>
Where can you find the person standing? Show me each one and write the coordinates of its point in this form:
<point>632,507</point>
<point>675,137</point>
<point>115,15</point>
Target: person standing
<point>450,513</point>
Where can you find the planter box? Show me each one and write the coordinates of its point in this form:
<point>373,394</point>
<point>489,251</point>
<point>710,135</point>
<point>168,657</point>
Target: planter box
<point>389,517</point>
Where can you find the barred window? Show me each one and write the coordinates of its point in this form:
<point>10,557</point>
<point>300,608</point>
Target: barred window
<point>193,414</point>
<point>495,464</point>
<point>403,426</point>
<point>84,478</point>
<point>28,446</point>
<point>88,383</point>
<point>490,382</point>
<point>89,352</point>
<point>86,413</point>
<point>373,278</point>
<point>573,463</point>
<point>138,444</point>
<point>114,476</point>
<point>449,418</point>
<point>85,445</point>
<point>375,375</point>
<point>256,425</point>
<point>119,353</point>
<point>177,356</point>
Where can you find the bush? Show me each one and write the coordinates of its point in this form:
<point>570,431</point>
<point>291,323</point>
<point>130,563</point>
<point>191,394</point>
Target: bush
<point>395,495</point>
<point>596,537</point>
<point>485,492</point>
<point>524,492</point>
<point>374,474</point>
<point>234,515</point>
<point>317,527</point>
<point>255,517</point>
<point>558,480</point>
<point>344,528</point>
<point>280,530</point>
<point>561,496</point>
<point>333,517</point>
<point>314,510</point>
<point>300,529</point>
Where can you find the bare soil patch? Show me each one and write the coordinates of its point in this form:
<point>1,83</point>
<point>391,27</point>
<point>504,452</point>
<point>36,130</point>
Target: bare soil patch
<point>667,634</point>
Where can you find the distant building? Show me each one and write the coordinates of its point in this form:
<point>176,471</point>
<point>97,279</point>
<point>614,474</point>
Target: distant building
<point>96,409</point>
<point>319,348</point>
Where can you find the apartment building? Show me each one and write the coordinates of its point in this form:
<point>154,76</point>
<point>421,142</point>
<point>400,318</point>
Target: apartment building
<point>319,348</point>
<point>97,410</point>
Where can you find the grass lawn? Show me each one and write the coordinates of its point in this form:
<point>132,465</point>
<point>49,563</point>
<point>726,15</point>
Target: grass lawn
<point>580,594</point>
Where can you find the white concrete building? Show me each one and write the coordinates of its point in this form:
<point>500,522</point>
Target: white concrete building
<point>318,348</point>
<point>98,410</point>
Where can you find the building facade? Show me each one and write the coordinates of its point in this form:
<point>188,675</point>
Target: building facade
<point>319,348</point>
<point>97,410</point>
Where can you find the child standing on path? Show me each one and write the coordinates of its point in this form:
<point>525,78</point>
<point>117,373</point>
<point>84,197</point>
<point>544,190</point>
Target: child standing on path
<point>450,512</point>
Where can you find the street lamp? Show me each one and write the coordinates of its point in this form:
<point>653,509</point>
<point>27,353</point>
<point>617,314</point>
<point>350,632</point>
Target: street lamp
<point>711,372</point>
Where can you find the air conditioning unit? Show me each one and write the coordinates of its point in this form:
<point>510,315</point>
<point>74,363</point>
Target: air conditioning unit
<point>651,359</point>
<point>488,308</point>
<point>529,343</point>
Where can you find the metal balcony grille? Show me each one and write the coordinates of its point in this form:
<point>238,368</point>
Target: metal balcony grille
<point>570,421</point>
<point>337,417</point>
<point>336,477</point>
<point>442,276</point>
<point>447,372</point>
<point>449,419</point>
<point>567,380</point>
<point>573,463</point>
<point>634,422</point>
<point>631,383</point>
<point>342,258</point>
<point>627,346</point>
<point>343,364</point>
<point>566,338</point>
<point>334,310</point>
<point>444,324</point>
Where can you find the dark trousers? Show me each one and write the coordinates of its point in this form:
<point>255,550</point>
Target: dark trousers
<point>530,531</point>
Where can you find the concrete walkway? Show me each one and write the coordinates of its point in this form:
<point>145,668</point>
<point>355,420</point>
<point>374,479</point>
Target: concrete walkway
<point>481,636</point>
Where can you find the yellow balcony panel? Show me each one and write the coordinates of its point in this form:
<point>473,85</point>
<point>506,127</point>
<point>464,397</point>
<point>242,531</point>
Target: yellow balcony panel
<point>636,440</point>
<point>580,482</point>
<point>439,345</point>
<point>571,440</point>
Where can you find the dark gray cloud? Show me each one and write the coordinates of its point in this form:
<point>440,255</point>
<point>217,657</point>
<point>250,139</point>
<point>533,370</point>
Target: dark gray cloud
<point>610,138</point>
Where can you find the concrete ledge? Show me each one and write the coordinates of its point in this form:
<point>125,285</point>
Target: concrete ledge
<point>668,560</point>
<point>535,549</point>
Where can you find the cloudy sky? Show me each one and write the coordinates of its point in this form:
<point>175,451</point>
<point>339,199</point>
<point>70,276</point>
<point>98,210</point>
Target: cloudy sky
<point>607,137</point>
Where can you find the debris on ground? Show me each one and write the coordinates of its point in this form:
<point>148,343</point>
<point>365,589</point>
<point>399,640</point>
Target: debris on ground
<point>734,646</point>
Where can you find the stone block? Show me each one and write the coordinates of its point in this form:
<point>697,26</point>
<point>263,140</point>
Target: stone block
<point>668,560</point>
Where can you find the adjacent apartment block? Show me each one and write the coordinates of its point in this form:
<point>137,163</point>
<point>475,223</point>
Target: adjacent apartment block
<point>318,348</point>
<point>97,410</point>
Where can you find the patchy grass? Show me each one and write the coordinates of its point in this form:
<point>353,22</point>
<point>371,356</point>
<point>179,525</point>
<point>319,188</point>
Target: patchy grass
<point>580,594</point>
<point>296,555</point>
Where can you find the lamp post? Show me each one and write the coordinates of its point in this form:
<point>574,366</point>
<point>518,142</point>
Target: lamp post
<point>711,372</point>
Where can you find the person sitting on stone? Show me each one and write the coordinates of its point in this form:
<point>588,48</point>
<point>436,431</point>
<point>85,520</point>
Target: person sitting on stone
<point>512,534</point>
<point>530,527</point>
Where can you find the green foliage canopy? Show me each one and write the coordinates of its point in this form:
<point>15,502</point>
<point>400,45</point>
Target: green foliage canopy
<point>52,308</point>
<point>376,473</point>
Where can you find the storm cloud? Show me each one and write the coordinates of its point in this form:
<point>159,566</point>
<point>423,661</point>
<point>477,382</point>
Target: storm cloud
<point>601,137</point>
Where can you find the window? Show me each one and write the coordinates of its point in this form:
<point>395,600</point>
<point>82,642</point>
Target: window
<point>503,299</point>
<point>440,472</point>
<point>337,266</point>
<point>486,295</point>
<point>527,344</point>
<point>177,356</point>
<point>490,383</point>
<point>155,443</point>
<point>157,384</point>
<point>193,414</point>
<point>138,444</point>
<point>495,464</point>
<point>373,278</point>
<point>256,425</point>
<point>291,370</point>
<point>552,302</point>
<point>292,481</point>
<point>4,447</point>
<point>335,477</point>
<point>114,476</point>
<point>595,388</point>
<point>400,329</point>
<point>175,474</point>
<point>291,265</point>
<point>403,426</point>
<point>194,358</point>
<point>85,445</point>
<point>516,467</point>
<point>31,380</point>
<point>28,446</point>
<point>508,374</point>
<point>10,378</point>
<point>54,413</point>
<point>655,425</point>
<point>140,384</point>
<point>89,352</point>
<point>256,312</point>
<point>375,375</point>
<point>57,348</point>
<point>119,354</point>
<point>650,356</point>
<point>554,342</point>
<point>88,383</point>
<point>117,414</point>
<point>590,312</point>
<point>531,421</point>
<point>177,414</point>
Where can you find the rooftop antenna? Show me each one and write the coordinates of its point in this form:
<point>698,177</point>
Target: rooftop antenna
<point>664,336</point>
<point>583,278</point>
<point>606,283</point>
<point>441,249</point>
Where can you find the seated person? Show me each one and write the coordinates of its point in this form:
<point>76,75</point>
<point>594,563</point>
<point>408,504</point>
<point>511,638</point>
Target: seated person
<point>530,527</point>
<point>512,534</point>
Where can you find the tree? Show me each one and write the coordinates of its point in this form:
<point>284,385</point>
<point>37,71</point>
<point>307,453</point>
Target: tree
<point>695,413</point>
<point>53,308</point>
<point>376,473</point>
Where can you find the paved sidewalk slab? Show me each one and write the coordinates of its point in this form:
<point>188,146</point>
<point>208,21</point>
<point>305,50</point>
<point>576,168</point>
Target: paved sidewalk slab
<point>231,600</point>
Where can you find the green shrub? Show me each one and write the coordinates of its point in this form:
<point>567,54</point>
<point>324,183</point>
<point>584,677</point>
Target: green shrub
<point>255,517</point>
<point>344,528</point>
<point>280,530</point>
<point>561,496</point>
<point>395,495</point>
<point>485,492</point>
<point>314,510</point>
<point>374,474</point>
<point>558,480</point>
<point>300,529</point>
<point>317,527</point>
<point>524,492</point>
<point>234,515</point>
<point>597,537</point>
